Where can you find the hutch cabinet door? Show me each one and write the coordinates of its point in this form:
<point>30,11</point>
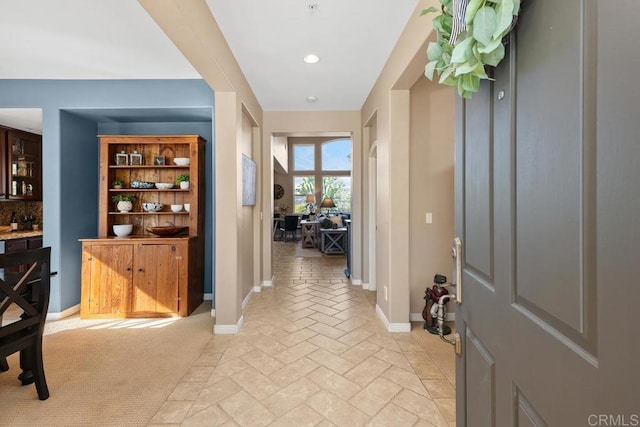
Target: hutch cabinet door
<point>24,166</point>
<point>106,279</point>
<point>155,285</point>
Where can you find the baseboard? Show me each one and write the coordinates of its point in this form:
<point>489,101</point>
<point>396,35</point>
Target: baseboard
<point>382,317</point>
<point>356,282</point>
<point>257,288</point>
<point>228,329</point>
<point>392,327</point>
<point>267,283</point>
<point>417,317</point>
<point>208,297</point>
<point>213,312</point>
<point>246,300</point>
<point>367,287</point>
<point>64,313</point>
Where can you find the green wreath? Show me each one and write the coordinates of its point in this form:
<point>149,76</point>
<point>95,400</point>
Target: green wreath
<point>470,35</point>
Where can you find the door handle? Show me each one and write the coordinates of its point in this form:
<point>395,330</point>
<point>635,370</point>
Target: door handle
<point>456,253</point>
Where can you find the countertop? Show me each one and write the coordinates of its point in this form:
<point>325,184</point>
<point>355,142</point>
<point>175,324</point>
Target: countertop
<point>7,234</point>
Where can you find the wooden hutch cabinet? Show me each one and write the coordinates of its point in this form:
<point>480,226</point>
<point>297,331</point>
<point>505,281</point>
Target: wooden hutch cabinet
<point>144,275</point>
<point>20,164</point>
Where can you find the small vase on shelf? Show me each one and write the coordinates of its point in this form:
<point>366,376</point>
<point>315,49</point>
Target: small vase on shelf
<point>124,202</point>
<point>183,180</point>
<point>124,206</point>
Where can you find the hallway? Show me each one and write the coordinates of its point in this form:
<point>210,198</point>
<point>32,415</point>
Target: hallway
<point>312,351</point>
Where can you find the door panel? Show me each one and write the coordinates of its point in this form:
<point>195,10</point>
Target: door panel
<point>481,382</point>
<point>526,414</point>
<point>551,155</point>
<point>546,208</point>
<point>110,277</point>
<point>477,174</point>
<point>156,279</point>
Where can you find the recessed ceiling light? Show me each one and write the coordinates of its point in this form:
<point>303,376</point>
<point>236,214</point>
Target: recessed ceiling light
<point>311,99</point>
<point>311,58</point>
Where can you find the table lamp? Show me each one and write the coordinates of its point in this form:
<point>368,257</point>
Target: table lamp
<point>327,202</point>
<point>310,201</point>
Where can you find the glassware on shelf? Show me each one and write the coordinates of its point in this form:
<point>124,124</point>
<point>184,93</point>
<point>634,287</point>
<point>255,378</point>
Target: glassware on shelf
<point>135,158</point>
<point>18,146</point>
<point>122,158</point>
<point>22,167</point>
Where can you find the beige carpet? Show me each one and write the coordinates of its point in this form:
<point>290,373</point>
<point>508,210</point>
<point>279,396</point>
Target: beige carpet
<point>106,372</point>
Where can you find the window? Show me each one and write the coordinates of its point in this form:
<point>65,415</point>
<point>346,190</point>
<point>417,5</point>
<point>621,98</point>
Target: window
<point>303,186</point>
<point>339,189</point>
<point>336,155</point>
<point>303,157</point>
<point>322,169</point>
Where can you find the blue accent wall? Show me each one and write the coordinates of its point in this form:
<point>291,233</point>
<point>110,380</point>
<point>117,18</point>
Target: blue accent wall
<point>74,112</point>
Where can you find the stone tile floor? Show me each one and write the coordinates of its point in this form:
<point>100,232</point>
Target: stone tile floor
<point>312,352</point>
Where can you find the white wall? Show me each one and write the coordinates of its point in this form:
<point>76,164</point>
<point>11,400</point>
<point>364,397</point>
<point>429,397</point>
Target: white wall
<point>280,152</point>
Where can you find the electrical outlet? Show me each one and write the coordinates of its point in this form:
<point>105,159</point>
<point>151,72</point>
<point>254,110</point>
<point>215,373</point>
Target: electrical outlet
<point>386,293</point>
<point>428,218</point>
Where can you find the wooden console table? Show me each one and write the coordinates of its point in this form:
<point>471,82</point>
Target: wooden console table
<point>333,240</point>
<point>309,233</point>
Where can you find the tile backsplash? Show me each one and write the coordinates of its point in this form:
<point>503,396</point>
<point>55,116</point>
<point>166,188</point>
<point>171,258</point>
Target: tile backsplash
<point>21,209</point>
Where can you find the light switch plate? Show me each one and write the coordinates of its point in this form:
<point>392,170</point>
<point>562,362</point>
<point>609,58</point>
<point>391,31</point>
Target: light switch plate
<point>428,218</point>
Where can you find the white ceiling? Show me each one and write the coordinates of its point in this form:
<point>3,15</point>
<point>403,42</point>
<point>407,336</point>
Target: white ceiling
<point>117,39</point>
<point>352,37</point>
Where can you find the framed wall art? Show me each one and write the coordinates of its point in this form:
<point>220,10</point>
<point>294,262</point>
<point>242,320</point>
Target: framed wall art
<point>248,181</point>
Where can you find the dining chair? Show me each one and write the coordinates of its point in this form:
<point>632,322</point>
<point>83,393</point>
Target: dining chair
<point>28,291</point>
<point>290,226</point>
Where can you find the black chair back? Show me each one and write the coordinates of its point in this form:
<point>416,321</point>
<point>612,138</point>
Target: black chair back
<point>290,226</point>
<point>25,284</point>
<point>291,222</point>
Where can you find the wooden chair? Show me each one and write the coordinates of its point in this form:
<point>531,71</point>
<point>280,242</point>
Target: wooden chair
<point>29,291</point>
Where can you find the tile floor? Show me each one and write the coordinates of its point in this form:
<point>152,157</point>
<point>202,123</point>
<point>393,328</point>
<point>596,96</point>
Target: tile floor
<point>313,352</point>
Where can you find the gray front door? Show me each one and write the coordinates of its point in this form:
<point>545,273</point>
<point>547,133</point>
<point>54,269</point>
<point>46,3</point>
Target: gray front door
<point>548,212</point>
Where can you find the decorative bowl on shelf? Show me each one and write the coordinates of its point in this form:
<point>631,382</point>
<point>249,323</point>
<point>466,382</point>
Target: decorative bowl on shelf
<point>152,207</point>
<point>122,230</point>
<point>168,230</point>
<point>181,161</point>
<point>164,185</point>
<point>176,208</point>
<point>142,185</point>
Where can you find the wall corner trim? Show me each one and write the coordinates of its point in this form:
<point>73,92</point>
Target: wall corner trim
<point>392,327</point>
<point>228,329</point>
<point>257,288</point>
<point>246,300</point>
<point>213,312</point>
<point>356,282</point>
